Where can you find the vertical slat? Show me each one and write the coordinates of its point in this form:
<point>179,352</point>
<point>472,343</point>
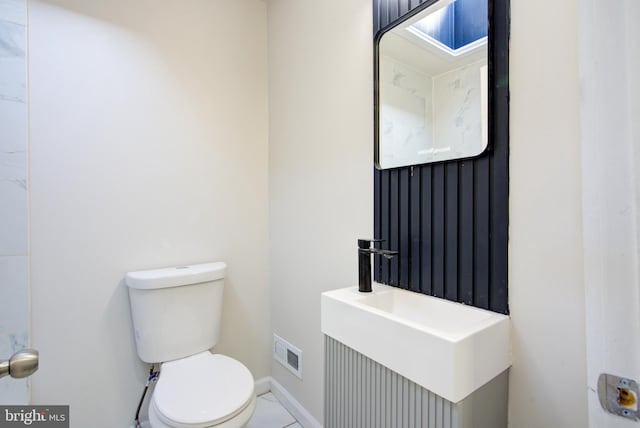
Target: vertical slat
<point>377,215</point>
<point>432,409</point>
<point>404,219</point>
<point>385,222</point>
<point>376,17</point>
<point>346,404</point>
<point>498,289</point>
<point>397,381</point>
<point>391,11</point>
<point>352,405</point>
<point>364,381</point>
<point>374,396</point>
<point>426,233</point>
<point>338,351</point>
<point>438,220</point>
<point>340,384</point>
<point>394,10</point>
<point>330,405</point>
<point>360,388</point>
<point>451,232</point>
<point>384,400</point>
<point>446,414</point>
<point>420,413</point>
<point>384,13</point>
<point>343,386</point>
<point>500,159</point>
<point>394,399</point>
<point>415,232</point>
<point>336,389</point>
<point>398,384</point>
<point>355,390</point>
<point>455,418</point>
<point>366,399</point>
<point>329,381</point>
<point>394,225</point>
<point>384,397</point>
<point>482,231</point>
<point>337,366</point>
<point>344,411</point>
<point>404,6</point>
<point>349,391</point>
<point>466,236</point>
<point>411,405</point>
<point>425,410</point>
<point>376,411</point>
<point>439,412</point>
<point>406,400</point>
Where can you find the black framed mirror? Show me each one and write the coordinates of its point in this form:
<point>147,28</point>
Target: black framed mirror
<point>431,76</point>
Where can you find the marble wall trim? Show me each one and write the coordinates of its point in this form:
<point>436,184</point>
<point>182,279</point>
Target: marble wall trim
<point>14,208</point>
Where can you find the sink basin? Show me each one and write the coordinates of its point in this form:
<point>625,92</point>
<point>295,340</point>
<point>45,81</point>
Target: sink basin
<point>448,348</point>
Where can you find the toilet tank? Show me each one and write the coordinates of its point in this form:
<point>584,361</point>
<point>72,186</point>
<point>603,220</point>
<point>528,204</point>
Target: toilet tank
<point>176,311</point>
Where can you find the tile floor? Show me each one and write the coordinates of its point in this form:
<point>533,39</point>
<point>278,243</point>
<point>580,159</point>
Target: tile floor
<point>269,413</point>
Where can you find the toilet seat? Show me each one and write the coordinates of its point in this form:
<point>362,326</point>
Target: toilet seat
<point>202,390</point>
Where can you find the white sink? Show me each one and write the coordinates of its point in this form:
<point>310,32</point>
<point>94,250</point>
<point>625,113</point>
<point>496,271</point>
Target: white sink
<point>448,348</point>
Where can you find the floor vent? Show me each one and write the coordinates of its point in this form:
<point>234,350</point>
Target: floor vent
<point>287,355</point>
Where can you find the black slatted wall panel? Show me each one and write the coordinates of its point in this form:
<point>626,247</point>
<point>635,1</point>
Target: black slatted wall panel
<point>449,220</point>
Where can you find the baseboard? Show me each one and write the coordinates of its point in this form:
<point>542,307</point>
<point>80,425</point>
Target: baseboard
<point>293,406</point>
<point>263,385</point>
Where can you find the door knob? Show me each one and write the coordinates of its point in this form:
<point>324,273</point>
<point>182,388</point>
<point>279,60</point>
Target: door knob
<point>21,364</point>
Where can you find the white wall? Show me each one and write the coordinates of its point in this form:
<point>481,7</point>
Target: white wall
<point>14,239</point>
<point>149,132</point>
<point>321,168</point>
<point>546,293</point>
<point>609,63</point>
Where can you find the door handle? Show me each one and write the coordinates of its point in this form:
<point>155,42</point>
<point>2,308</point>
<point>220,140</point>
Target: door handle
<point>21,364</point>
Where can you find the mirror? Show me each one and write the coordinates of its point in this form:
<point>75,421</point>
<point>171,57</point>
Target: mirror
<point>431,76</point>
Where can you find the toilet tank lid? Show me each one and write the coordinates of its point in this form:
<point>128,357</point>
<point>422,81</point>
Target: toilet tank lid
<point>175,276</point>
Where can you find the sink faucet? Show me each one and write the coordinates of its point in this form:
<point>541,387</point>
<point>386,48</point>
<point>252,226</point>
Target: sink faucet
<point>364,262</point>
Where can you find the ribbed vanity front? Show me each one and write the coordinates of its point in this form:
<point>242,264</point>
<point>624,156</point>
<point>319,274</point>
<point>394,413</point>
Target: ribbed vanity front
<point>361,393</point>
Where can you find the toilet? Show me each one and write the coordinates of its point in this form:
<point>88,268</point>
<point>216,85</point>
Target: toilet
<point>176,315</point>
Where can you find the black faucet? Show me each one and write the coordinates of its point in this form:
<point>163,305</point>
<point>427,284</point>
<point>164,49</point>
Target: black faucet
<point>364,262</point>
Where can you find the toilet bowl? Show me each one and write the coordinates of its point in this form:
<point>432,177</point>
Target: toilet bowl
<point>176,316</point>
<point>203,390</point>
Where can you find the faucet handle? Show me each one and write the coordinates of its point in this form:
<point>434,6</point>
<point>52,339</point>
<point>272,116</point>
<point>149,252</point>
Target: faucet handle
<point>366,243</point>
<point>387,254</point>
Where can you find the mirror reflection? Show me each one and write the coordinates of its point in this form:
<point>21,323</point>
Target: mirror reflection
<point>432,81</point>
